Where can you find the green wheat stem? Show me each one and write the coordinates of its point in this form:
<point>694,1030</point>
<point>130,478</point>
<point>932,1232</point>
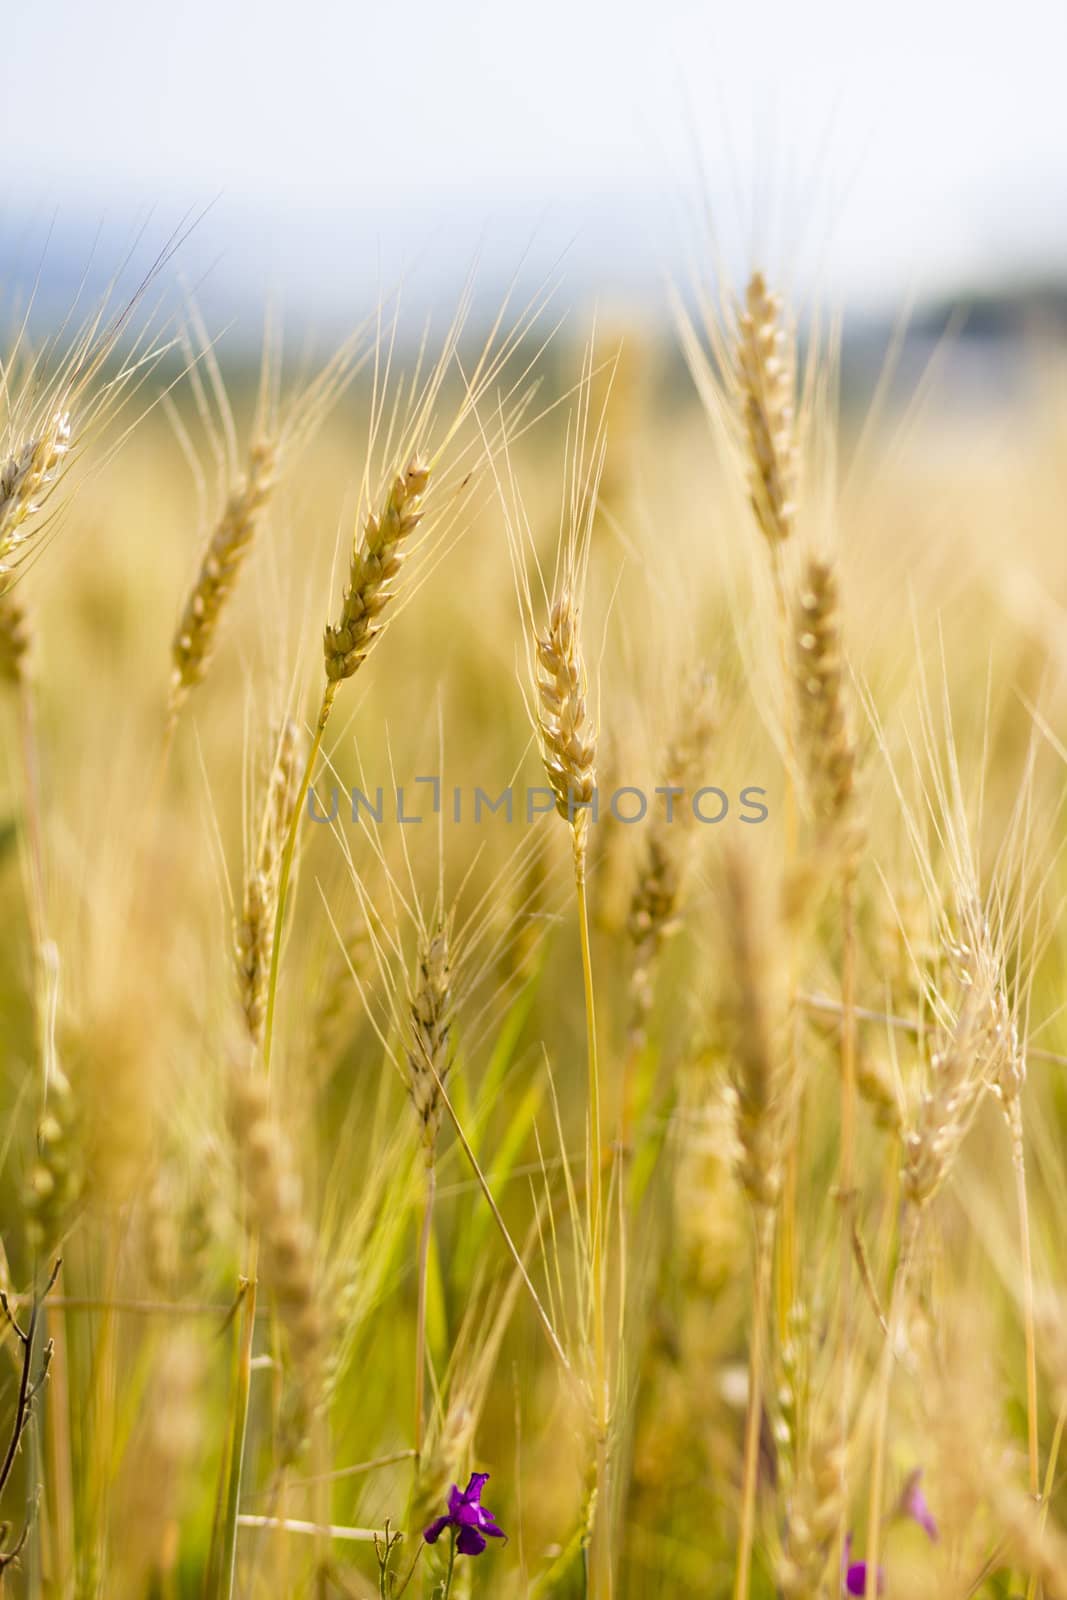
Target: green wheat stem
<point>601,1558</point>
<point>750,1465</point>
<point>285,872</point>
<point>909,1234</point>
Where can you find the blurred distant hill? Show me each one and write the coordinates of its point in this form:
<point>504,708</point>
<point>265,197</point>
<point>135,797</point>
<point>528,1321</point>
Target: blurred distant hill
<point>234,261</point>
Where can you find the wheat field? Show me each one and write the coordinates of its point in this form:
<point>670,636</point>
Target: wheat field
<point>531,877</point>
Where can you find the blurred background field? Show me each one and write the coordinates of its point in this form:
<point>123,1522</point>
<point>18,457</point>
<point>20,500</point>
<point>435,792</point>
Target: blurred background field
<point>943,519</point>
<point>797,1021</point>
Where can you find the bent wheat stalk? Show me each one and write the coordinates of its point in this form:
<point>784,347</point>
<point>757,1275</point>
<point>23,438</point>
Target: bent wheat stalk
<point>429,1062</point>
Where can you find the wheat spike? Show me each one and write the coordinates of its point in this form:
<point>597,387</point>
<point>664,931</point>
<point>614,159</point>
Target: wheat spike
<point>979,967</point>
<point>757,1058</point>
<point>429,1047</point>
<point>376,561</point>
<point>228,546</point>
<point>765,372</point>
<point>24,480</point>
<point>56,1177</point>
<point>813,1517</point>
<point>254,930</point>
<point>14,637</point>
<point>288,1243</point>
<point>945,1110</point>
<point>441,1464</point>
<point>656,895</point>
<point>567,735</point>
<point>826,742</point>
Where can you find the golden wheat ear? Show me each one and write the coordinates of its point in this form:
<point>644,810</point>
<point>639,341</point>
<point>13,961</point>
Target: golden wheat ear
<point>752,1004</point>
<point>25,479</point>
<point>282,427</point>
<point>765,378</point>
<point>564,725</point>
<point>227,549</point>
<point>657,892</point>
<point>375,564</point>
<point>14,638</point>
<point>272,1191</point>
<point>254,928</point>
<point>826,744</point>
<point>430,1028</point>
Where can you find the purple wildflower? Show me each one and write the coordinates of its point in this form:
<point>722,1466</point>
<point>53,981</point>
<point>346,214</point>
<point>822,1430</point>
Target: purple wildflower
<point>912,1504</point>
<point>467,1514</point>
<point>854,1573</point>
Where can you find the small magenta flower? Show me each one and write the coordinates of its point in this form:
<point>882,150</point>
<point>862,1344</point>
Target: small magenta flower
<point>854,1573</point>
<point>466,1514</point>
<point>912,1504</point>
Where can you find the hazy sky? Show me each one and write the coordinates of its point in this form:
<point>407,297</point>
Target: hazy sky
<point>903,146</point>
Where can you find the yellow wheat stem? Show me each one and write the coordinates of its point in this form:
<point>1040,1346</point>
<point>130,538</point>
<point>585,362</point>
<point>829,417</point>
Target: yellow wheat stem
<point>787,1228</point>
<point>223,1565</point>
<point>601,1548</point>
<point>750,1465</point>
<point>425,1236</point>
<point>286,868</point>
<point>909,1235</point>
<point>1022,1204</point>
<point>1050,1481</point>
<point>226,1567</point>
